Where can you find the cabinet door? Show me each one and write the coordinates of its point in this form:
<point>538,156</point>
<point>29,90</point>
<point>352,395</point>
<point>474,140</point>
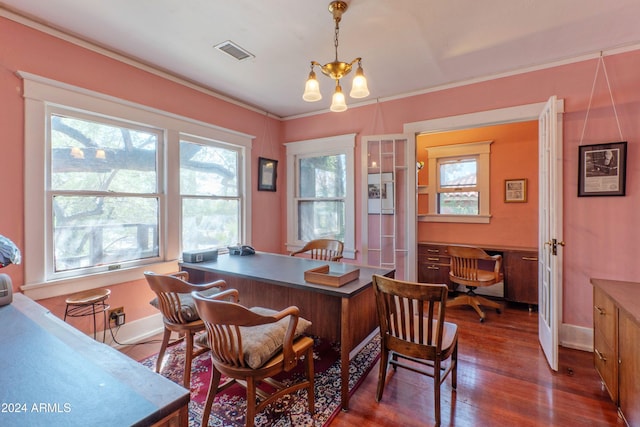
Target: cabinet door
<point>629,369</point>
<point>521,276</point>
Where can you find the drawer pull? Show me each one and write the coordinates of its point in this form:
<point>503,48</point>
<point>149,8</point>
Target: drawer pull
<point>434,251</point>
<point>600,311</point>
<point>600,355</point>
<point>530,258</point>
<point>433,259</point>
<point>432,267</point>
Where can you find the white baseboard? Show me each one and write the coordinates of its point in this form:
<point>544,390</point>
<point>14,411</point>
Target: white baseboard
<point>135,331</point>
<point>576,337</point>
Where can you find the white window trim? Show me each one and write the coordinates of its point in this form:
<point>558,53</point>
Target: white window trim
<point>340,144</point>
<point>483,152</point>
<point>40,93</point>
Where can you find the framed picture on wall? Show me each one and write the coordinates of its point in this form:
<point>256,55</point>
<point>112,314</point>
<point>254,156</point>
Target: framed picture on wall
<point>602,169</point>
<point>267,174</point>
<point>381,200</point>
<point>515,190</point>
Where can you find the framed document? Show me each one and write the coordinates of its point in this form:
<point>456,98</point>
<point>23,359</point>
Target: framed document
<point>602,169</point>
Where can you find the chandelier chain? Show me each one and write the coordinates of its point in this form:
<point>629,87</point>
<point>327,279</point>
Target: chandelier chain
<point>335,39</point>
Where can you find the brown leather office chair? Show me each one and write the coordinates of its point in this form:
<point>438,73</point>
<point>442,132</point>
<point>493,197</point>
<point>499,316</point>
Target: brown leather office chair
<point>323,249</point>
<point>174,300</point>
<point>466,269</point>
<point>413,328</point>
<point>250,346</point>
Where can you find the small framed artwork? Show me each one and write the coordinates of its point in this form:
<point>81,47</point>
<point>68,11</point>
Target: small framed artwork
<point>267,174</point>
<point>515,190</point>
<point>602,169</point>
<point>381,199</point>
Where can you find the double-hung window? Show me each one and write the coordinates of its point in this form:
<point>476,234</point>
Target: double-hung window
<point>118,188</point>
<point>459,183</point>
<point>320,197</point>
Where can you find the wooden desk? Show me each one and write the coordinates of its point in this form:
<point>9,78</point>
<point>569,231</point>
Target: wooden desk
<point>346,314</point>
<point>54,375</point>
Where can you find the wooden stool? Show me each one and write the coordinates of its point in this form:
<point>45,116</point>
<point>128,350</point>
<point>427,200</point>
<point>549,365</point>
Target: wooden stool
<point>88,304</point>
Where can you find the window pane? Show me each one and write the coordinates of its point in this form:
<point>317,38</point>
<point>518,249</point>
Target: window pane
<point>458,203</point>
<point>207,171</point>
<point>323,176</point>
<point>210,223</point>
<point>462,173</point>
<point>323,219</point>
<point>93,156</point>
<point>91,231</point>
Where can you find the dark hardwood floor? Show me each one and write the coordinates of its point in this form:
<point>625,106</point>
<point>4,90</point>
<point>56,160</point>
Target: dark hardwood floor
<point>503,380</point>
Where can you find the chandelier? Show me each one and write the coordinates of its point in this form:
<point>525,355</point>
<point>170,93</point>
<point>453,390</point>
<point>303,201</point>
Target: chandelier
<point>336,70</point>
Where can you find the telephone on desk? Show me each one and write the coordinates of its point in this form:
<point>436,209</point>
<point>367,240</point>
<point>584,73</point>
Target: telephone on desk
<point>241,250</point>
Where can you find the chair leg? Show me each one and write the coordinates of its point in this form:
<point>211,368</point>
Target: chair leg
<point>310,376</point>
<point>251,402</point>
<point>211,394</point>
<point>454,368</point>
<point>382,373</point>
<point>188,357</point>
<point>436,390</point>
<point>163,348</point>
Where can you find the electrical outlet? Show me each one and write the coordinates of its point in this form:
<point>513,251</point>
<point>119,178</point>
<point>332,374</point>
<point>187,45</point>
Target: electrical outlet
<point>116,316</point>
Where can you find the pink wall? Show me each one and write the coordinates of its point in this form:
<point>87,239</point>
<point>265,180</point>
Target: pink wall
<point>601,233</point>
<point>24,49</point>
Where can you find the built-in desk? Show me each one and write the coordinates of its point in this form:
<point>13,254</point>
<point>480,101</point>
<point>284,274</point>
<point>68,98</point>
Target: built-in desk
<point>53,375</point>
<point>520,268</point>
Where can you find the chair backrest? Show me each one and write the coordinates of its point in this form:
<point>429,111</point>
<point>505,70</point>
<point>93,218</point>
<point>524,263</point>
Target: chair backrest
<point>323,249</point>
<point>467,266</point>
<point>171,290</point>
<point>411,315</point>
<point>223,317</point>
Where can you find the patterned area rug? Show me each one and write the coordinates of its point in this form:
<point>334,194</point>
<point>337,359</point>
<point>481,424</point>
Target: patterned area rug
<point>229,407</point>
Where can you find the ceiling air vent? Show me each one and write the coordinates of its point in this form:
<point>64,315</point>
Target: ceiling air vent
<point>232,49</point>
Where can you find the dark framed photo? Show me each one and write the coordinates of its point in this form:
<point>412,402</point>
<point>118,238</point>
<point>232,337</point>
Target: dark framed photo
<point>515,190</point>
<point>603,169</point>
<point>267,174</point>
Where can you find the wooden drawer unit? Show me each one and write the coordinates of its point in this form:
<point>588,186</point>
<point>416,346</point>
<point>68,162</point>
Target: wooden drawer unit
<point>616,343</point>
<point>433,264</point>
<point>605,321</point>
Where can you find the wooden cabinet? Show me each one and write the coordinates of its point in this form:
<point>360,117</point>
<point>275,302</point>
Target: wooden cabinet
<point>616,343</point>
<point>521,276</point>
<point>520,267</point>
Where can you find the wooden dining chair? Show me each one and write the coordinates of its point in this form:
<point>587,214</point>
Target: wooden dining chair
<point>174,300</point>
<point>322,249</point>
<point>250,346</point>
<point>467,269</point>
<point>413,329</point>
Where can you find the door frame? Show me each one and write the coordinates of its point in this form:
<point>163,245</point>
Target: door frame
<point>521,113</point>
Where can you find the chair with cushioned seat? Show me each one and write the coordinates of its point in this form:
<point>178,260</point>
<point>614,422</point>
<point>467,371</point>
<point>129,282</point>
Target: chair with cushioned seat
<point>466,269</point>
<point>250,346</point>
<point>323,249</point>
<point>173,299</point>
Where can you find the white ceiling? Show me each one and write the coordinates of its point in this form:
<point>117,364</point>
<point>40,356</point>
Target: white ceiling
<point>406,46</point>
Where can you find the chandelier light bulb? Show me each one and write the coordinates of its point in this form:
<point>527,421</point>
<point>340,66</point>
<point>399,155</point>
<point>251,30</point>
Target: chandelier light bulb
<point>338,103</point>
<point>359,88</point>
<point>312,88</point>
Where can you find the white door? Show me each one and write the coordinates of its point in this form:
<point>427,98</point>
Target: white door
<point>550,231</point>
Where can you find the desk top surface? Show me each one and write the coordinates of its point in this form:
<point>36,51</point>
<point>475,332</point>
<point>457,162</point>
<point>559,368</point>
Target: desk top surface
<point>55,375</point>
<point>288,271</point>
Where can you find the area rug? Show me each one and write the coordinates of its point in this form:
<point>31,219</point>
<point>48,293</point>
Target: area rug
<point>229,407</point>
